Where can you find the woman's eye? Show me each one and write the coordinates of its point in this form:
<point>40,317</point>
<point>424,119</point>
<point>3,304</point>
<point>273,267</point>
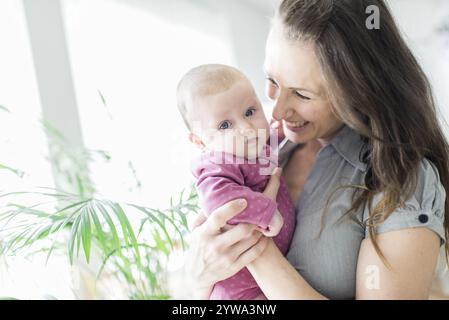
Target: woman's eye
<point>301,96</point>
<point>224,125</point>
<point>271,89</point>
<point>272,81</point>
<point>250,112</point>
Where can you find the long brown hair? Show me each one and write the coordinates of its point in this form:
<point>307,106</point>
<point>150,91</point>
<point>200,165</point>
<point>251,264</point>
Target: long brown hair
<point>376,87</point>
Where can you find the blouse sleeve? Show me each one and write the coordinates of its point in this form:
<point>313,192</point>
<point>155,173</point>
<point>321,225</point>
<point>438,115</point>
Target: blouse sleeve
<point>219,184</point>
<point>425,208</point>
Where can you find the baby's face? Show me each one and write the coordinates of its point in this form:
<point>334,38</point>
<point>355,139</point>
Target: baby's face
<point>232,121</point>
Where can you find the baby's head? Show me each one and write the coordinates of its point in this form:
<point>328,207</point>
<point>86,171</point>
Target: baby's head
<point>222,111</point>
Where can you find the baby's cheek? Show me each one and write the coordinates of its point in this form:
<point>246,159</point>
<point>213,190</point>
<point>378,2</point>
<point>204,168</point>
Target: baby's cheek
<point>266,131</point>
<point>222,142</point>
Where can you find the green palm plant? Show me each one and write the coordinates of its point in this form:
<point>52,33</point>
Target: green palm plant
<point>74,220</point>
<point>126,250</point>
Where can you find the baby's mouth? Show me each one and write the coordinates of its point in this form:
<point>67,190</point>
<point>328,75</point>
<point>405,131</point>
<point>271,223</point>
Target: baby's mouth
<point>251,140</point>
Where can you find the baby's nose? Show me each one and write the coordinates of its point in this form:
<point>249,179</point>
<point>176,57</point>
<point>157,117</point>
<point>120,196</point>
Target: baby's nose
<point>248,132</point>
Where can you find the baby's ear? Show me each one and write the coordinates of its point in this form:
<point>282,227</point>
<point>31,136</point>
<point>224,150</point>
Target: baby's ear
<point>193,138</point>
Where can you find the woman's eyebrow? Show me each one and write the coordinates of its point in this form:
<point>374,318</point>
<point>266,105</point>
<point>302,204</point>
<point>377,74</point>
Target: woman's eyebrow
<point>292,88</point>
<point>267,74</point>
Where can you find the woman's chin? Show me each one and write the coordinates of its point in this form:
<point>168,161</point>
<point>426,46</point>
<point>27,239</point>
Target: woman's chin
<point>297,137</point>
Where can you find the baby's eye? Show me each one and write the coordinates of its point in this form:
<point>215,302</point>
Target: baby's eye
<point>224,125</point>
<point>250,112</point>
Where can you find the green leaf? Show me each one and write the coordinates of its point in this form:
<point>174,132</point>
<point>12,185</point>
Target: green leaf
<point>53,131</point>
<point>38,233</point>
<point>155,219</point>
<point>128,232</point>
<point>3,108</point>
<point>29,210</point>
<point>110,222</point>
<point>73,237</point>
<point>103,263</point>
<point>103,100</point>
<point>17,172</point>
<point>163,216</point>
<point>160,243</point>
<point>57,228</point>
<point>86,233</point>
<point>98,228</point>
<point>16,238</point>
<point>72,206</point>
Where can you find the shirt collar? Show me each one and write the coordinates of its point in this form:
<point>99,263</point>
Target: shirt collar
<point>349,144</point>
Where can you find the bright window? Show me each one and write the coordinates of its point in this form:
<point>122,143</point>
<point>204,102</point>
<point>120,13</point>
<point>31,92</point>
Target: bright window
<point>132,57</point>
<point>23,155</point>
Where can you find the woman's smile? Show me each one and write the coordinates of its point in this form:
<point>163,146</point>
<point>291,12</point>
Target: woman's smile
<point>297,126</point>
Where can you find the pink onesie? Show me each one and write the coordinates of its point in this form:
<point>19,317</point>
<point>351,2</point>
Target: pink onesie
<point>220,180</point>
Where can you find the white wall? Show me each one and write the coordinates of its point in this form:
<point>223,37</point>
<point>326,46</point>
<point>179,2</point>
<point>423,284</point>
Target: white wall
<point>244,24</point>
<point>419,22</point>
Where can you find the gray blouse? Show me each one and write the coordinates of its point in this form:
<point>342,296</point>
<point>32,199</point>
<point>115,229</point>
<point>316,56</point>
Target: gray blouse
<point>328,261</point>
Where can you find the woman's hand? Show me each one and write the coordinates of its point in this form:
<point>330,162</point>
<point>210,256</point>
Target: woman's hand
<point>218,250</point>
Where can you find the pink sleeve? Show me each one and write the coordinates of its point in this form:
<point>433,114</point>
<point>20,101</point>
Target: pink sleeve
<point>219,184</point>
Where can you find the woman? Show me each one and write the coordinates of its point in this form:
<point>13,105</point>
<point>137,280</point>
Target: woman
<point>366,164</point>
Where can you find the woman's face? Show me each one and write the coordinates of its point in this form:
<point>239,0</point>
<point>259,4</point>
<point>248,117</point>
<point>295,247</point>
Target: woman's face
<point>297,87</point>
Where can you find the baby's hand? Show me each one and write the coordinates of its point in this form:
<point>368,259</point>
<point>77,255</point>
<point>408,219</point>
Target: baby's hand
<point>275,225</point>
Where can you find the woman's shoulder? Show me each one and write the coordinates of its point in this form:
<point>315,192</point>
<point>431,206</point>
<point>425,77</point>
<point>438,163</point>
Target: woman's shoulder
<point>424,208</point>
<point>429,193</point>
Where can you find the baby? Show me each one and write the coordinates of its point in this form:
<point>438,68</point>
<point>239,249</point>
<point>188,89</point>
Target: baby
<point>226,121</point>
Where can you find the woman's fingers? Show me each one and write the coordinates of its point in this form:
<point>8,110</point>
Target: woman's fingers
<point>221,215</point>
<point>209,258</point>
<point>240,247</point>
<point>272,187</point>
<point>199,220</point>
<point>236,233</point>
<point>251,254</point>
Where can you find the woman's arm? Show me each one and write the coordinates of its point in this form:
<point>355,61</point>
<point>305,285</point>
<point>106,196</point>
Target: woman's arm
<point>412,256</point>
<point>285,283</point>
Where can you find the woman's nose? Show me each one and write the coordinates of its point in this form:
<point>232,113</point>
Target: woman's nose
<point>281,109</point>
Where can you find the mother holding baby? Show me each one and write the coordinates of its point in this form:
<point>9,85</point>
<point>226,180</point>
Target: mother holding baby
<point>366,164</point>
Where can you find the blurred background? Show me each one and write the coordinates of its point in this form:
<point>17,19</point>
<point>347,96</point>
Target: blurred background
<point>87,105</point>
